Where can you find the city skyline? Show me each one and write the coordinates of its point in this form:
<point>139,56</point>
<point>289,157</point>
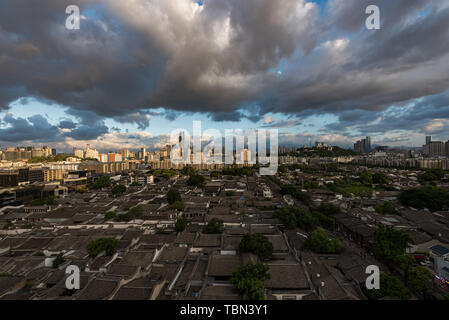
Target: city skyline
<point>320,75</point>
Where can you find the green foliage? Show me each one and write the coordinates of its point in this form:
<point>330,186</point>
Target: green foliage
<point>58,261</point>
<point>250,280</point>
<point>258,244</point>
<point>118,189</point>
<point>133,213</point>
<point>195,180</point>
<point>181,224</point>
<point>321,152</point>
<point>289,189</point>
<point>188,171</point>
<point>162,173</point>
<point>320,242</point>
<point>102,182</point>
<point>403,263</point>
<point>177,205</point>
<point>380,178</point>
<point>389,243</point>
<point>366,178</point>
<point>134,184</point>
<point>386,208</point>
<point>229,193</point>
<point>215,174</point>
<point>304,197</point>
<point>275,180</point>
<point>215,225</point>
<point>50,201</point>
<point>58,157</point>
<point>107,245</point>
<point>287,217</point>
<point>173,195</point>
<point>389,287</point>
<point>431,175</point>
<point>109,215</point>
<point>293,217</point>
<point>347,186</point>
<point>311,184</point>
<point>328,209</point>
<point>433,198</point>
<point>234,171</point>
<point>420,279</point>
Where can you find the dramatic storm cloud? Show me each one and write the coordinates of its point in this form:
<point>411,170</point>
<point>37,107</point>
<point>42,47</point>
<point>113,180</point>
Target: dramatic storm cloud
<point>232,60</point>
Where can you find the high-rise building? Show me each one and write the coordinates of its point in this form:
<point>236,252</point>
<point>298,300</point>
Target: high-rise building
<point>78,153</point>
<point>434,148</point>
<point>125,154</point>
<point>143,153</point>
<point>363,146</point>
<point>447,148</point>
<point>114,157</point>
<point>91,153</point>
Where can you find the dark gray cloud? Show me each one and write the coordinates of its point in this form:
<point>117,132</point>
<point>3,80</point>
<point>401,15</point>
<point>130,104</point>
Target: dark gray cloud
<point>35,128</point>
<point>132,57</point>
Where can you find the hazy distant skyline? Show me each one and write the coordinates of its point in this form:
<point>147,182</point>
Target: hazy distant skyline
<point>138,69</point>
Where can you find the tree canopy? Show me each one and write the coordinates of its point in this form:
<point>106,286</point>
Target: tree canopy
<point>107,245</point>
<point>320,242</point>
<point>195,181</point>
<point>389,287</point>
<point>118,189</point>
<point>433,198</point>
<point>258,244</point>
<point>250,280</point>
<point>215,225</point>
<point>389,243</point>
<point>173,195</point>
<point>181,224</point>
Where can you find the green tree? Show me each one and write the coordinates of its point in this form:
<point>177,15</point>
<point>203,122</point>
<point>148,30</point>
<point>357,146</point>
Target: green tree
<point>188,171</point>
<point>433,198</point>
<point>107,245</point>
<point>58,260</point>
<point>289,189</point>
<point>177,205</point>
<point>181,224</point>
<point>389,243</point>
<point>118,189</point>
<point>420,279</point>
<point>386,208</point>
<point>389,287</point>
<point>215,225</point>
<point>328,209</point>
<point>287,217</point>
<point>403,263</point>
<point>258,244</point>
<point>51,201</point>
<point>196,181</point>
<point>109,215</point>
<point>215,174</point>
<point>173,195</point>
<point>380,178</point>
<point>102,182</point>
<point>320,242</point>
<point>250,280</point>
<point>366,178</point>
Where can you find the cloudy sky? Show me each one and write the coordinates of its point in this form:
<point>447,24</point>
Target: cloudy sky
<point>138,69</point>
